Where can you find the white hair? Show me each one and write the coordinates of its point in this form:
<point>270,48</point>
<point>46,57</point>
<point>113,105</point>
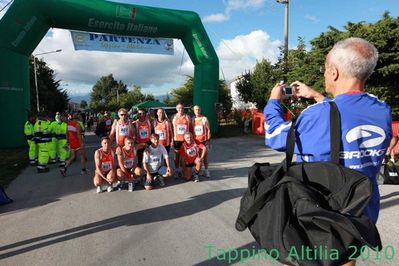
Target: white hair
<point>355,57</point>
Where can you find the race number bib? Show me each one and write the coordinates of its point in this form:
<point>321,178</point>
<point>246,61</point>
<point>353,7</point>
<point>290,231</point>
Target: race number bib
<point>108,122</point>
<point>162,134</point>
<point>154,159</point>
<point>191,152</point>
<point>124,130</point>
<point>128,163</point>
<point>143,132</point>
<point>106,166</point>
<point>198,130</point>
<point>181,129</point>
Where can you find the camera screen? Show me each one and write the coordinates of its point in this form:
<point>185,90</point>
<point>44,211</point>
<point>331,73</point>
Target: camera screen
<point>288,90</point>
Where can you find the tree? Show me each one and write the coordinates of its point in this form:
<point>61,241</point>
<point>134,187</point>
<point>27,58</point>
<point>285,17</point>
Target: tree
<point>244,87</point>
<point>225,98</point>
<point>255,87</point>
<point>134,96</point>
<point>83,104</point>
<point>104,93</point>
<point>184,95</point>
<point>51,97</point>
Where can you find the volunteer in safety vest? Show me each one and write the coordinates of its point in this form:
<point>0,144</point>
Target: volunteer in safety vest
<point>181,124</point>
<point>202,134</point>
<point>61,136</point>
<point>121,128</point>
<point>42,136</point>
<point>163,128</point>
<point>105,174</point>
<point>29,134</point>
<point>143,133</point>
<point>53,143</point>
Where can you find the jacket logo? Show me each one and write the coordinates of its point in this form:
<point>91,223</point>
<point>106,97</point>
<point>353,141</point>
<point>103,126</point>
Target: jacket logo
<point>370,136</point>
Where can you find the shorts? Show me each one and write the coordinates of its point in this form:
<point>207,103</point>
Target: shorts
<point>127,169</point>
<point>167,148</point>
<point>105,173</point>
<point>149,184</point>
<point>205,143</point>
<point>177,145</point>
<point>190,165</point>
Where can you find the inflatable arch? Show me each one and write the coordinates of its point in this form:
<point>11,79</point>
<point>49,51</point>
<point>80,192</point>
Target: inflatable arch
<point>26,23</point>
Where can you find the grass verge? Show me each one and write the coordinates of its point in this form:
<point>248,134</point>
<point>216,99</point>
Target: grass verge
<point>12,162</point>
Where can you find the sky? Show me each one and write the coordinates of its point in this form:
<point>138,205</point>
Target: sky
<point>241,31</point>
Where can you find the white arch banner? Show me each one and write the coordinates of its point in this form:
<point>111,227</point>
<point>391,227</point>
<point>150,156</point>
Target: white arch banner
<point>117,43</point>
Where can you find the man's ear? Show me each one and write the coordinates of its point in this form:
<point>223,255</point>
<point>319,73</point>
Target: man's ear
<point>335,73</point>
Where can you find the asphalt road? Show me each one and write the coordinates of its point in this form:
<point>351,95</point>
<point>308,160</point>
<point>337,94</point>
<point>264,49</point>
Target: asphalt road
<point>62,221</point>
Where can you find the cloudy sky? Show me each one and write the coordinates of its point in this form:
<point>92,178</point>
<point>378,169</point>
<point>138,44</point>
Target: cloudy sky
<point>242,32</point>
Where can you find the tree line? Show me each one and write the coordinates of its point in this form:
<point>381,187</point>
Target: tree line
<point>109,94</point>
<point>304,65</point>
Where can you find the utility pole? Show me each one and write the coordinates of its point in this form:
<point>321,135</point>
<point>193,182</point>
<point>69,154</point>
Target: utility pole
<point>35,72</point>
<point>285,33</point>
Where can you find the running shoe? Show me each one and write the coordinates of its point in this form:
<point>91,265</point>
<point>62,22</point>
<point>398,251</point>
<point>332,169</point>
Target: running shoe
<point>161,181</point>
<point>63,171</point>
<point>207,173</point>
<point>99,190</point>
<point>110,189</point>
<point>196,178</point>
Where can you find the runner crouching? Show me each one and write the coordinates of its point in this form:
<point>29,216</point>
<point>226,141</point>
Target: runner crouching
<point>128,171</point>
<point>191,155</point>
<point>105,174</point>
<point>152,163</point>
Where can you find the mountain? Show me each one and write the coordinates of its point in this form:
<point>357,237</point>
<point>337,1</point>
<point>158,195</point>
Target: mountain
<point>79,98</point>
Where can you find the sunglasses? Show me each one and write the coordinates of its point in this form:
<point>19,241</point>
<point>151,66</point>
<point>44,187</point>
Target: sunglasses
<point>122,114</point>
<point>140,113</point>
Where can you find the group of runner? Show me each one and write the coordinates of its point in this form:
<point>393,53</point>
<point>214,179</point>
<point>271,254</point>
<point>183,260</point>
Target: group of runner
<point>142,150</point>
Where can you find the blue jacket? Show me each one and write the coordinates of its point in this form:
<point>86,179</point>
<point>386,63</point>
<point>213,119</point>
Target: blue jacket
<point>366,131</point>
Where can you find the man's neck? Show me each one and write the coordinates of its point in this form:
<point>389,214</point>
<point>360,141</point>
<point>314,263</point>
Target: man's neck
<point>349,85</point>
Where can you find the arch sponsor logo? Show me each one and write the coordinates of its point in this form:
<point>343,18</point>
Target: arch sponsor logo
<point>368,137</point>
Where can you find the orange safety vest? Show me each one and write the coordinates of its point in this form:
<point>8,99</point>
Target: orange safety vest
<point>181,125</point>
<point>143,131</point>
<point>163,130</point>
<point>200,130</point>
<point>107,160</point>
<point>123,130</point>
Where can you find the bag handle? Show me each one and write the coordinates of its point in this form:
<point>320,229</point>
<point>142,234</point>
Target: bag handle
<point>335,140</point>
<point>335,137</point>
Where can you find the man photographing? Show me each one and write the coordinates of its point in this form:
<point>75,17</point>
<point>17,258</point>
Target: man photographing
<point>365,121</point>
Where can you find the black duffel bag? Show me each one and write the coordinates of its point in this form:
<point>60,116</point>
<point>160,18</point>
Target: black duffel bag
<point>309,213</point>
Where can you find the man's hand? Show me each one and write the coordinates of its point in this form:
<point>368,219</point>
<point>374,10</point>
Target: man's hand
<point>302,90</point>
<point>277,92</point>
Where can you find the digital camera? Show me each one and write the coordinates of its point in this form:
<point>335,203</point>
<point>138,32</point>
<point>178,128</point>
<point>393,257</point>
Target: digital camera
<point>287,91</point>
